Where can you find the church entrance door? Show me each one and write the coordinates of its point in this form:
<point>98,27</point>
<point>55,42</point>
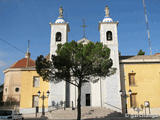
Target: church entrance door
<point>88,101</point>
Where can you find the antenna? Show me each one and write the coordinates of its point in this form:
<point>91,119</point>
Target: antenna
<point>147,27</point>
<point>27,55</point>
<point>28,46</point>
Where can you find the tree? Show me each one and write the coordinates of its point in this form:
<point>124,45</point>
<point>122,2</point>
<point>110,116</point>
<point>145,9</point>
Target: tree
<point>119,53</point>
<point>141,52</point>
<point>1,92</point>
<point>78,61</point>
<point>11,101</point>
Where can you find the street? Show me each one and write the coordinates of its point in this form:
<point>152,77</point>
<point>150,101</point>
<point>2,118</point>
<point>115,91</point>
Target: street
<point>35,119</point>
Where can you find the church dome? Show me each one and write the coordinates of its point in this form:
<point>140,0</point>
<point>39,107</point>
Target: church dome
<point>107,19</point>
<point>60,20</point>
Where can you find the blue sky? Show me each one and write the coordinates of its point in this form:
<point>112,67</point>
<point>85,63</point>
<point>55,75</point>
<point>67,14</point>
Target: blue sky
<point>22,20</point>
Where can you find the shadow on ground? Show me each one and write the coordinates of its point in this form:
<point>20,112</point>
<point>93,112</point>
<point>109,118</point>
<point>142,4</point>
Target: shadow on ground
<point>39,118</point>
<point>119,116</point>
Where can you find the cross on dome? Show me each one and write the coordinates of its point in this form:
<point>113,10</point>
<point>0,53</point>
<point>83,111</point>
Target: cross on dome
<point>84,26</point>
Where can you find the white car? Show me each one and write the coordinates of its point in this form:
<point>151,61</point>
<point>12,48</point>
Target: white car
<point>10,115</point>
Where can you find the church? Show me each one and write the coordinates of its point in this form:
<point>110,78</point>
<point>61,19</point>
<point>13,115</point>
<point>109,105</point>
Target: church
<point>134,87</point>
<point>104,93</point>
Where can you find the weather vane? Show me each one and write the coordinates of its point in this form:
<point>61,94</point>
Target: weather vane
<point>84,26</point>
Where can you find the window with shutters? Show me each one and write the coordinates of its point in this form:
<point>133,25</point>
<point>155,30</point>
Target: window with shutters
<point>132,81</point>
<point>133,102</point>
<point>35,101</point>
<point>36,81</point>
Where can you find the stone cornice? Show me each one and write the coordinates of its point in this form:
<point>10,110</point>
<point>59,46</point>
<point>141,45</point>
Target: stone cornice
<point>107,23</point>
<point>68,28</point>
<point>20,69</point>
<point>140,61</point>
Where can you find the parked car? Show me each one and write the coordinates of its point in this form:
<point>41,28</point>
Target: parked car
<point>10,115</point>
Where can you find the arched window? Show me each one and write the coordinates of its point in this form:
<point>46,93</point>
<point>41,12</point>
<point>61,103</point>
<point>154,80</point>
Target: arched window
<point>109,35</point>
<point>58,36</point>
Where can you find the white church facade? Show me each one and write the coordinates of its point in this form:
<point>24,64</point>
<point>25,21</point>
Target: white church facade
<point>105,92</point>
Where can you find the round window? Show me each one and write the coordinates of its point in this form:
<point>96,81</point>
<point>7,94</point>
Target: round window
<point>17,89</point>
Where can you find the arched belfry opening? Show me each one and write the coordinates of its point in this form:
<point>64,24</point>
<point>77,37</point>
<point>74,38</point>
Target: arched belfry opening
<point>109,35</point>
<point>58,36</point>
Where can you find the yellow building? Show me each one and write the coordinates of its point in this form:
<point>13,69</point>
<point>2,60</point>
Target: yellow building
<point>140,83</point>
<point>22,83</point>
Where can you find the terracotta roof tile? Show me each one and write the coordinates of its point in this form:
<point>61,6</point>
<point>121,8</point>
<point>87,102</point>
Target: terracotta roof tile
<point>23,63</point>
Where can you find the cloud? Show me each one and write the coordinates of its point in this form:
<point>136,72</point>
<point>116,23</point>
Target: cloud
<point>2,64</point>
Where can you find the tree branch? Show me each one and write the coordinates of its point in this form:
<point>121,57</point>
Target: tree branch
<point>72,83</point>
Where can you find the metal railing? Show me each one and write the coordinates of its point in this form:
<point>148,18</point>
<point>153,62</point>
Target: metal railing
<point>61,105</point>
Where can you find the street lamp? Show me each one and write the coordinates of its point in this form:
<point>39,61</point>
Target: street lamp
<point>43,97</point>
<point>125,96</point>
<point>130,91</point>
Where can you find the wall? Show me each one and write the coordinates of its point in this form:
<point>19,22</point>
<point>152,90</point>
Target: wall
<point>12,79</point>
<point>27,90</point>
<point>147,77</point>
<point>57,93</point>
<point>111,97</point>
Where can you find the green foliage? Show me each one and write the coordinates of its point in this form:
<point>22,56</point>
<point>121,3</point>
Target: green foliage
<point>77,60</point>
<point>77,63</point>
<point>141,52</point>
<point>1,92</point>
<point>119,53</point>
<point>11,102</point>
<point>43,67</point>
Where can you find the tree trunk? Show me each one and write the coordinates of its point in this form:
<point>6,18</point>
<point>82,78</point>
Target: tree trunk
<point>79,103</point>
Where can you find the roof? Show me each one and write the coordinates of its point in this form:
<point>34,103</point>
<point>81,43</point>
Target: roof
<point>140,59</point>
<point>60,20</point>
<point>124,57</point>
<point>23,63</point>
<point>107,19</point>
<point>84,40</point>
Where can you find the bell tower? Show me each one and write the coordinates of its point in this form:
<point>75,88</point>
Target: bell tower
<point>109,37</point>
<point>59,92</point>
<point>59,32</point>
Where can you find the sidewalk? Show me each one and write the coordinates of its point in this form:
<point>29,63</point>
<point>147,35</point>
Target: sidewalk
<point>88,113</point>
